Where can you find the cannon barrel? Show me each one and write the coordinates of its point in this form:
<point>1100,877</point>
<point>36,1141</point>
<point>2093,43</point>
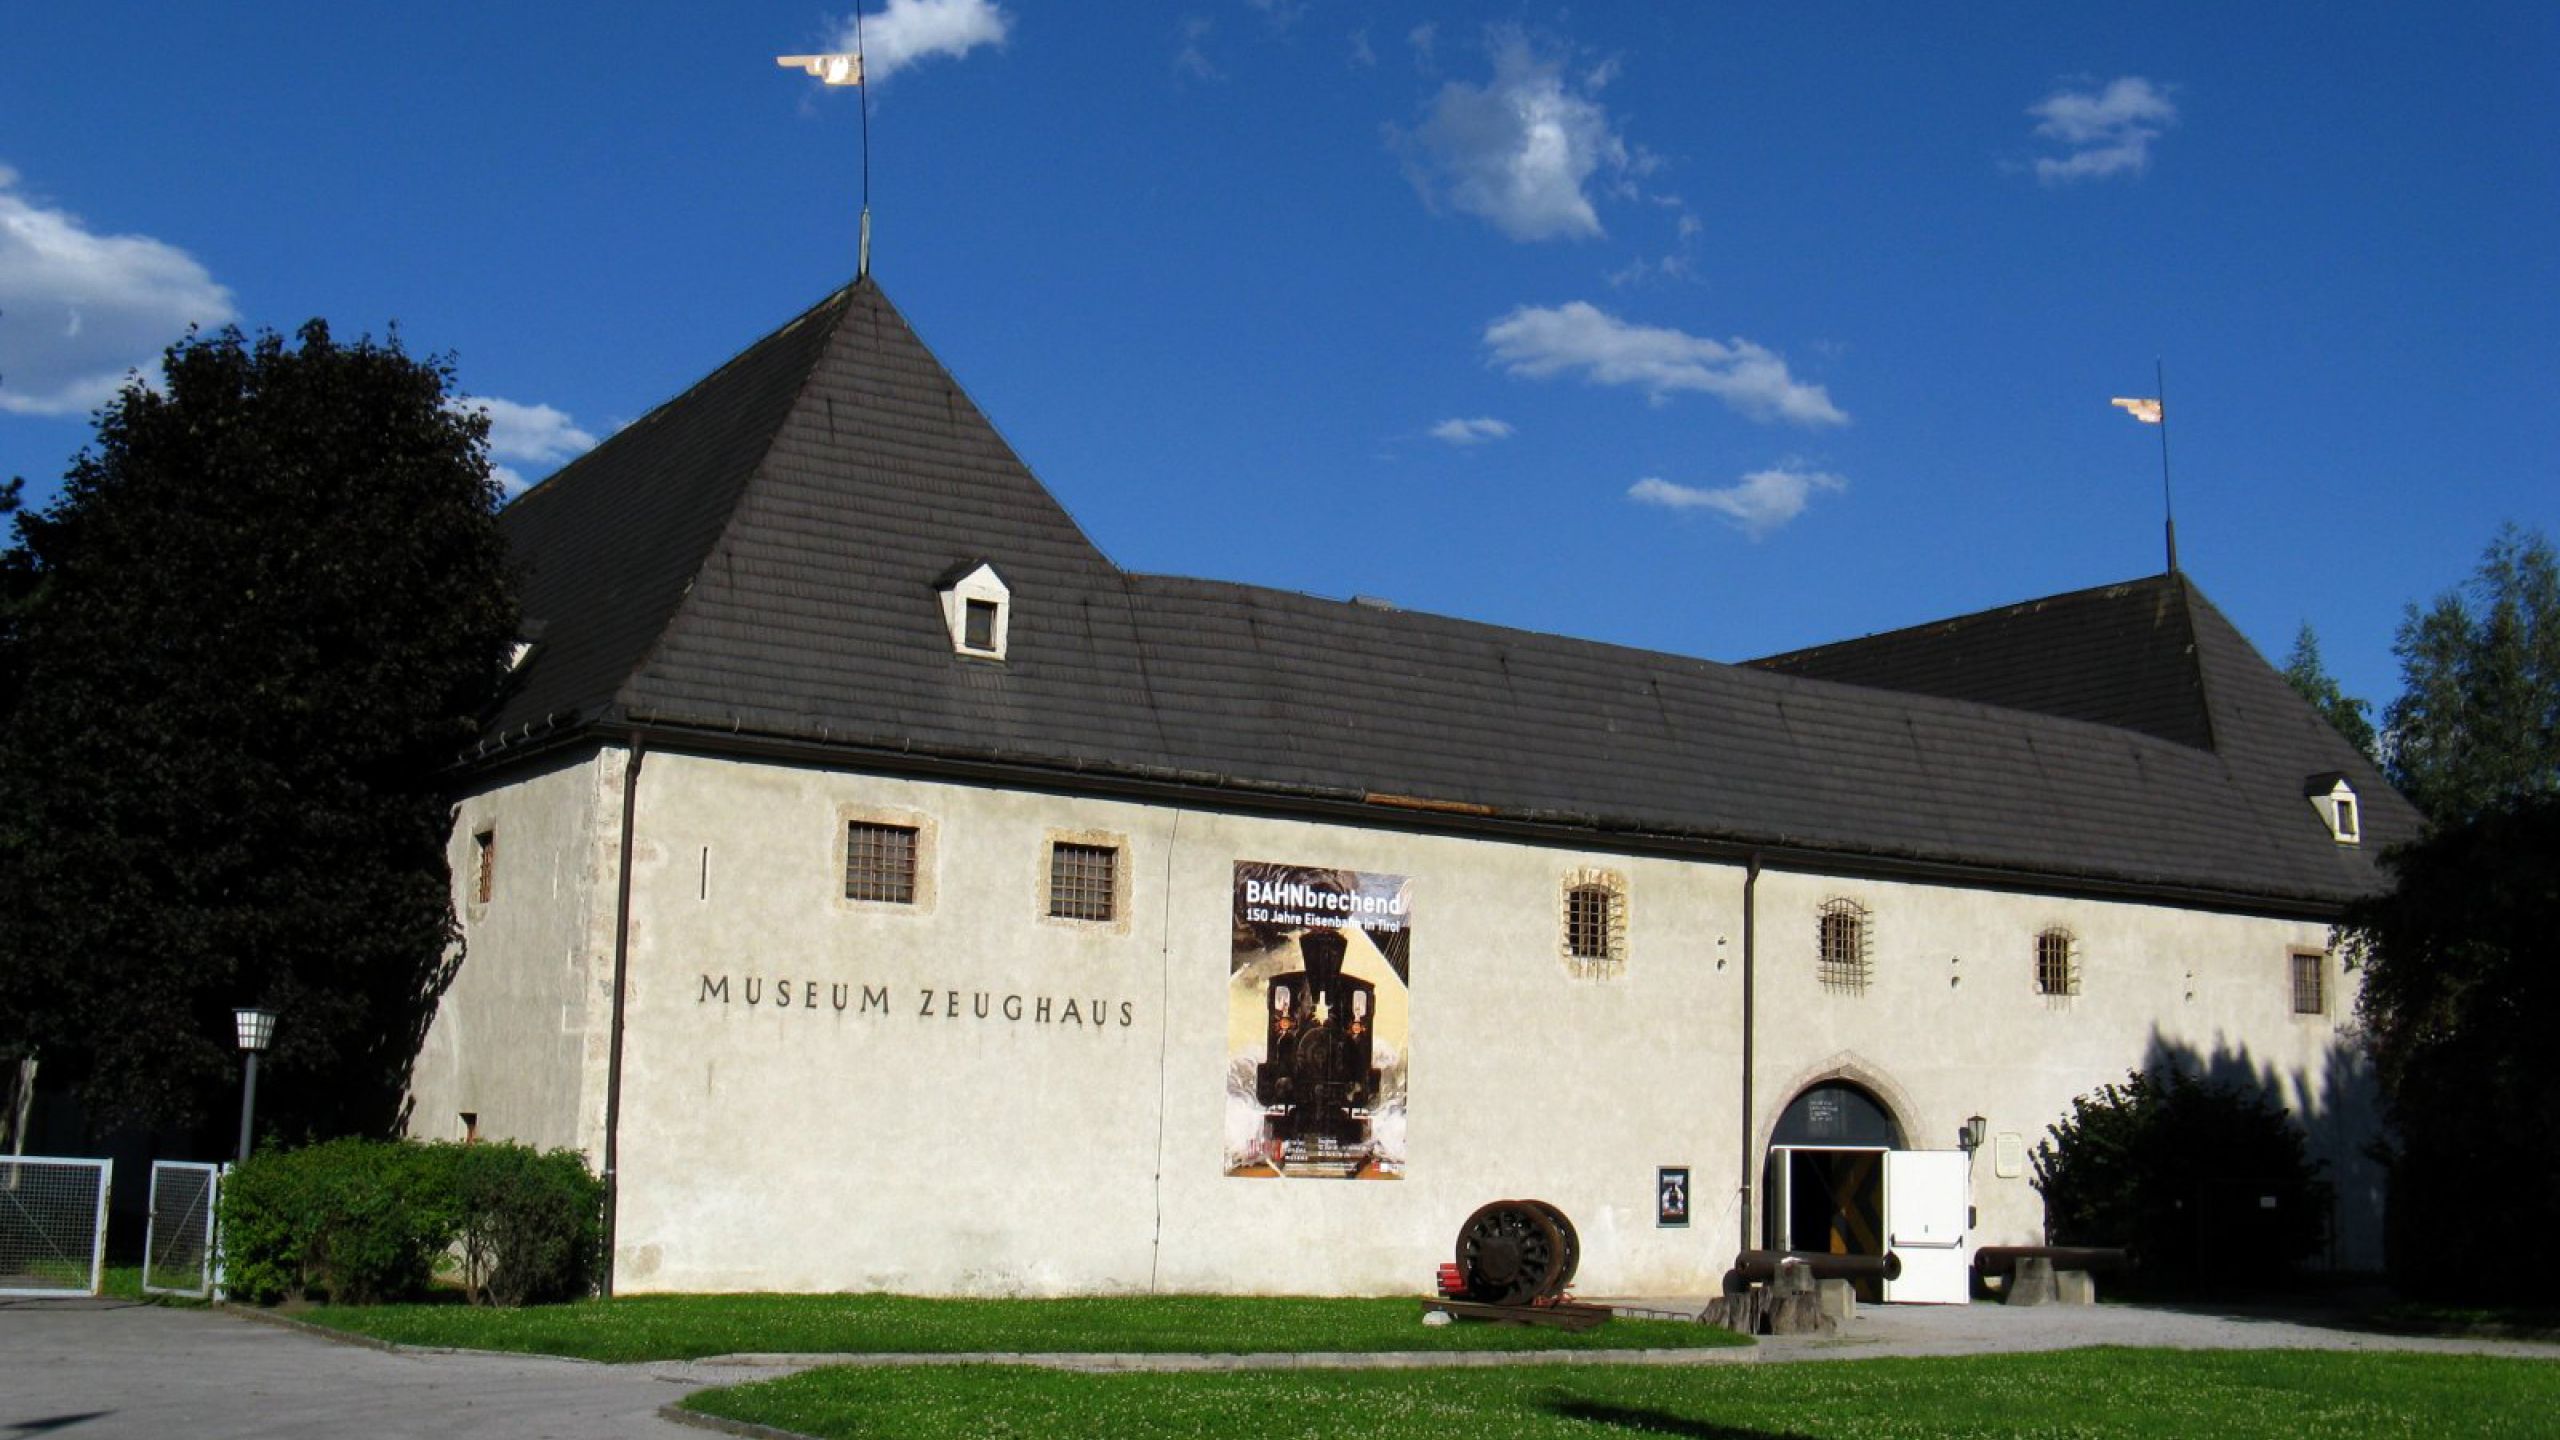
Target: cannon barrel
<point>2000,1259</point>
<point>1762,1265</point>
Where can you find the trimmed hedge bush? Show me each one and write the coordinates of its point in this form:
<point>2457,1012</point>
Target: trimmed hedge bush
<point>368,1221</point>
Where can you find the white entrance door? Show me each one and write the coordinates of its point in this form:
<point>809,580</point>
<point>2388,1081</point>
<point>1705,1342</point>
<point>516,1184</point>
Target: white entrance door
<point>1924,1221</point>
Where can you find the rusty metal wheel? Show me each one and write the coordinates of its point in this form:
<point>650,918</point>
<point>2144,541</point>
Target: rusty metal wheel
<point>1509,1253</point>
<point>1572,1251</point>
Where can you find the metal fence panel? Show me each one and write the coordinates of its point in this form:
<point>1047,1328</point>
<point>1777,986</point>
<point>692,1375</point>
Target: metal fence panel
<point>177,1248</point>
<point>53,1225</point>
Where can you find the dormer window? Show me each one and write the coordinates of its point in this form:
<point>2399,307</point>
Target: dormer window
<point>2336,801</point>
<point>976,608</point>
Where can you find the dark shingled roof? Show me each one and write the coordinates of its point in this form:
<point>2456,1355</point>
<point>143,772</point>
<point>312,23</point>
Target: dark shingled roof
<point>759,557</point>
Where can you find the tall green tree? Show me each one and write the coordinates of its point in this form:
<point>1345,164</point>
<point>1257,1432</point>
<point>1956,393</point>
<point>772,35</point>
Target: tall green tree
<point>2460,995</point>
<point>2479,720</point>
<point>2312,681</point>
<point>253,630</point>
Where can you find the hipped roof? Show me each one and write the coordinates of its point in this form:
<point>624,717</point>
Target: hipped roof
<point>759,556</point>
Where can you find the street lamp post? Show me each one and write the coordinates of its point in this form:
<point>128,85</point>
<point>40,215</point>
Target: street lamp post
<point>257,1028</point>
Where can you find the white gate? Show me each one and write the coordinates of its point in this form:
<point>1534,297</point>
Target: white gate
<point>53,1225</point>
<point>178,1249</point>
<point>1925,1206</point>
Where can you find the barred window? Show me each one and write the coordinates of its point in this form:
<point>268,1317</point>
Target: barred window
<point>1842,934</point>
<point>880,862</point>
<point>484,859</point>
<point>2310,983</point>
<point>2057,963</point>
<point>1083,880</point>
<point>1586,922</point>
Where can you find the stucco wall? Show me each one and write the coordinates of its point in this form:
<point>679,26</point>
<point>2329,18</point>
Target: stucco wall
<point>520,1038</point>
<point>891,1135</point>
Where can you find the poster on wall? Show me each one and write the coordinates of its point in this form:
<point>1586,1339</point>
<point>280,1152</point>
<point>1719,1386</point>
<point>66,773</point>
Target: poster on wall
<point>1318,974</point>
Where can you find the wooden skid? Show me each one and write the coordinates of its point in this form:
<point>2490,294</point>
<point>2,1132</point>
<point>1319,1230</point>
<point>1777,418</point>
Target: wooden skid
<point>1566,1316</point>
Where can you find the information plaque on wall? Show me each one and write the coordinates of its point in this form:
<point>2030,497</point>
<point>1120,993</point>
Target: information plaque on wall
<point>1671,1195</point>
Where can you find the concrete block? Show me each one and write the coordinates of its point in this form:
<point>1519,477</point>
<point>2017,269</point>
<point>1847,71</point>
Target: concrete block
<point>1839,1300</point>
<point>2075,1287</point>
<point>2031,1283</point>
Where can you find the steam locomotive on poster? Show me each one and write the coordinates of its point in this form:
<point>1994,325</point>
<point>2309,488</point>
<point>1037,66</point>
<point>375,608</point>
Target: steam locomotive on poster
<point>1318,1081</point>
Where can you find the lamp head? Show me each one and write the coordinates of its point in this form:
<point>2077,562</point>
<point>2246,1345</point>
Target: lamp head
<point>257,1028</point>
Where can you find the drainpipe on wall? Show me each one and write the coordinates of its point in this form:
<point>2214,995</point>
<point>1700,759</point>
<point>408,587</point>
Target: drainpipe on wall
<point>621,970</point>
<point>1750,958</point>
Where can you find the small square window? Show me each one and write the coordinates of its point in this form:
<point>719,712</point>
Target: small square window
<point>2310,983</point>
<point>979,625</point>
<point>1842,939</point>
<point>2346,818</point>
<point>880,862</point>
<point>484,860</point>
<point>1083,881</point>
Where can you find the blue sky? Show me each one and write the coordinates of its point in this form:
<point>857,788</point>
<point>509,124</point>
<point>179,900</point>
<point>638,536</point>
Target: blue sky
<point>1719,329</point>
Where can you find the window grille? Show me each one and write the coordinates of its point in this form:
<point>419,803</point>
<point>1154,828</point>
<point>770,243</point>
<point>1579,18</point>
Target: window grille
<point>484,854</point>
<point>1843,946</point>
<point>2310,983</point>
<point>1083,880</point>
<point>1586,922</point>
<point>880,862</point>
<point>2057,963</point>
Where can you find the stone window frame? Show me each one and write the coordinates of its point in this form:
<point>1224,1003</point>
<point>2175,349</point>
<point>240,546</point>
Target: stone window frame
<point>1112,840</point>
<point>2304,962</point>
<point>1844,945</point>
<point>928,847</point>
<point>2048,971</point>
<point>1611,957</point>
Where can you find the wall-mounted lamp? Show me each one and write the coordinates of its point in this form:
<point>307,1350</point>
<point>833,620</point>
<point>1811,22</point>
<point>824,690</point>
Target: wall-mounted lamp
<point>1970,1136</point>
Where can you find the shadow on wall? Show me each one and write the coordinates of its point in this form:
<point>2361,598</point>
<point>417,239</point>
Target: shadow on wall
<point>2340,1112</point>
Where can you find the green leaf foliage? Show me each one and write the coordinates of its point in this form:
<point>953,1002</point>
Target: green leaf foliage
<point>2179,1171</point>
<point>2312,681</point>
<point>2460,997</point>
<point>237,655</point>
<point>369,1221</point>
<point>2478,721</point>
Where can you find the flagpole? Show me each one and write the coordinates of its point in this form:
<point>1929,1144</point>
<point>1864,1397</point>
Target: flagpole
<point>2160,377</point>
<point>862,259</point>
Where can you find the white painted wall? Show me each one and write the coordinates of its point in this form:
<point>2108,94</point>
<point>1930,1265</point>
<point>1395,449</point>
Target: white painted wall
<point>771,1147</point>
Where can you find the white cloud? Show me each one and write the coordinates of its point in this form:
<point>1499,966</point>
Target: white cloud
<point>1362,57</point>
<point>906,31</point>
<point>1424,38</point>
<point>1472,432</point>
<point>2107,131</point>
<point>1543,341</point>
<point>1756,504</point>
<point>527,434</point>
<point>1191,61</point>
<point>79,310</point>
<point>1519,151</point>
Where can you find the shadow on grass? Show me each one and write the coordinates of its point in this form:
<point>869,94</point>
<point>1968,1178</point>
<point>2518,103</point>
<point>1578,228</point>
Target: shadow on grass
<point>1659,1422</point>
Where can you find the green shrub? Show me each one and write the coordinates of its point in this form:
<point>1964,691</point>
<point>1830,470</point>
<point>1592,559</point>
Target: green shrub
<point>532,1224</point>
<point>362,1220</point>
<point>367,1221</point>
<point>2207,1184</point>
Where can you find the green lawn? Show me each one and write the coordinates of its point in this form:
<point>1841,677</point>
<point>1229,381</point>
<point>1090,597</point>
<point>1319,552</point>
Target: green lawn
<point>2077,1394</point>
<point>677,1327</point>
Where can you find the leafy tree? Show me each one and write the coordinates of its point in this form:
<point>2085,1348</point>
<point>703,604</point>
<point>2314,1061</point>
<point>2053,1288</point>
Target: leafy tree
<point>2479,721</point>
<point>2312,681</point>
<point>251,634</point>
<point>2461,990</point>
<point>2176,1169</point>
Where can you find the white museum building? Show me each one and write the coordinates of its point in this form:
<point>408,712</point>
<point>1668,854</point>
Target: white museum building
<point>888,892</point>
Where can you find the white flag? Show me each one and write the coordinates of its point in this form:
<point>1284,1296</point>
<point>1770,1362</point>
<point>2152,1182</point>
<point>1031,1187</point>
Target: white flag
<point>2146,411</point>
<point>833,69</point>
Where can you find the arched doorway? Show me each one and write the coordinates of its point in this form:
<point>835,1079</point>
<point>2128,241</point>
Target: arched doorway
<point>1825,1179</point>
